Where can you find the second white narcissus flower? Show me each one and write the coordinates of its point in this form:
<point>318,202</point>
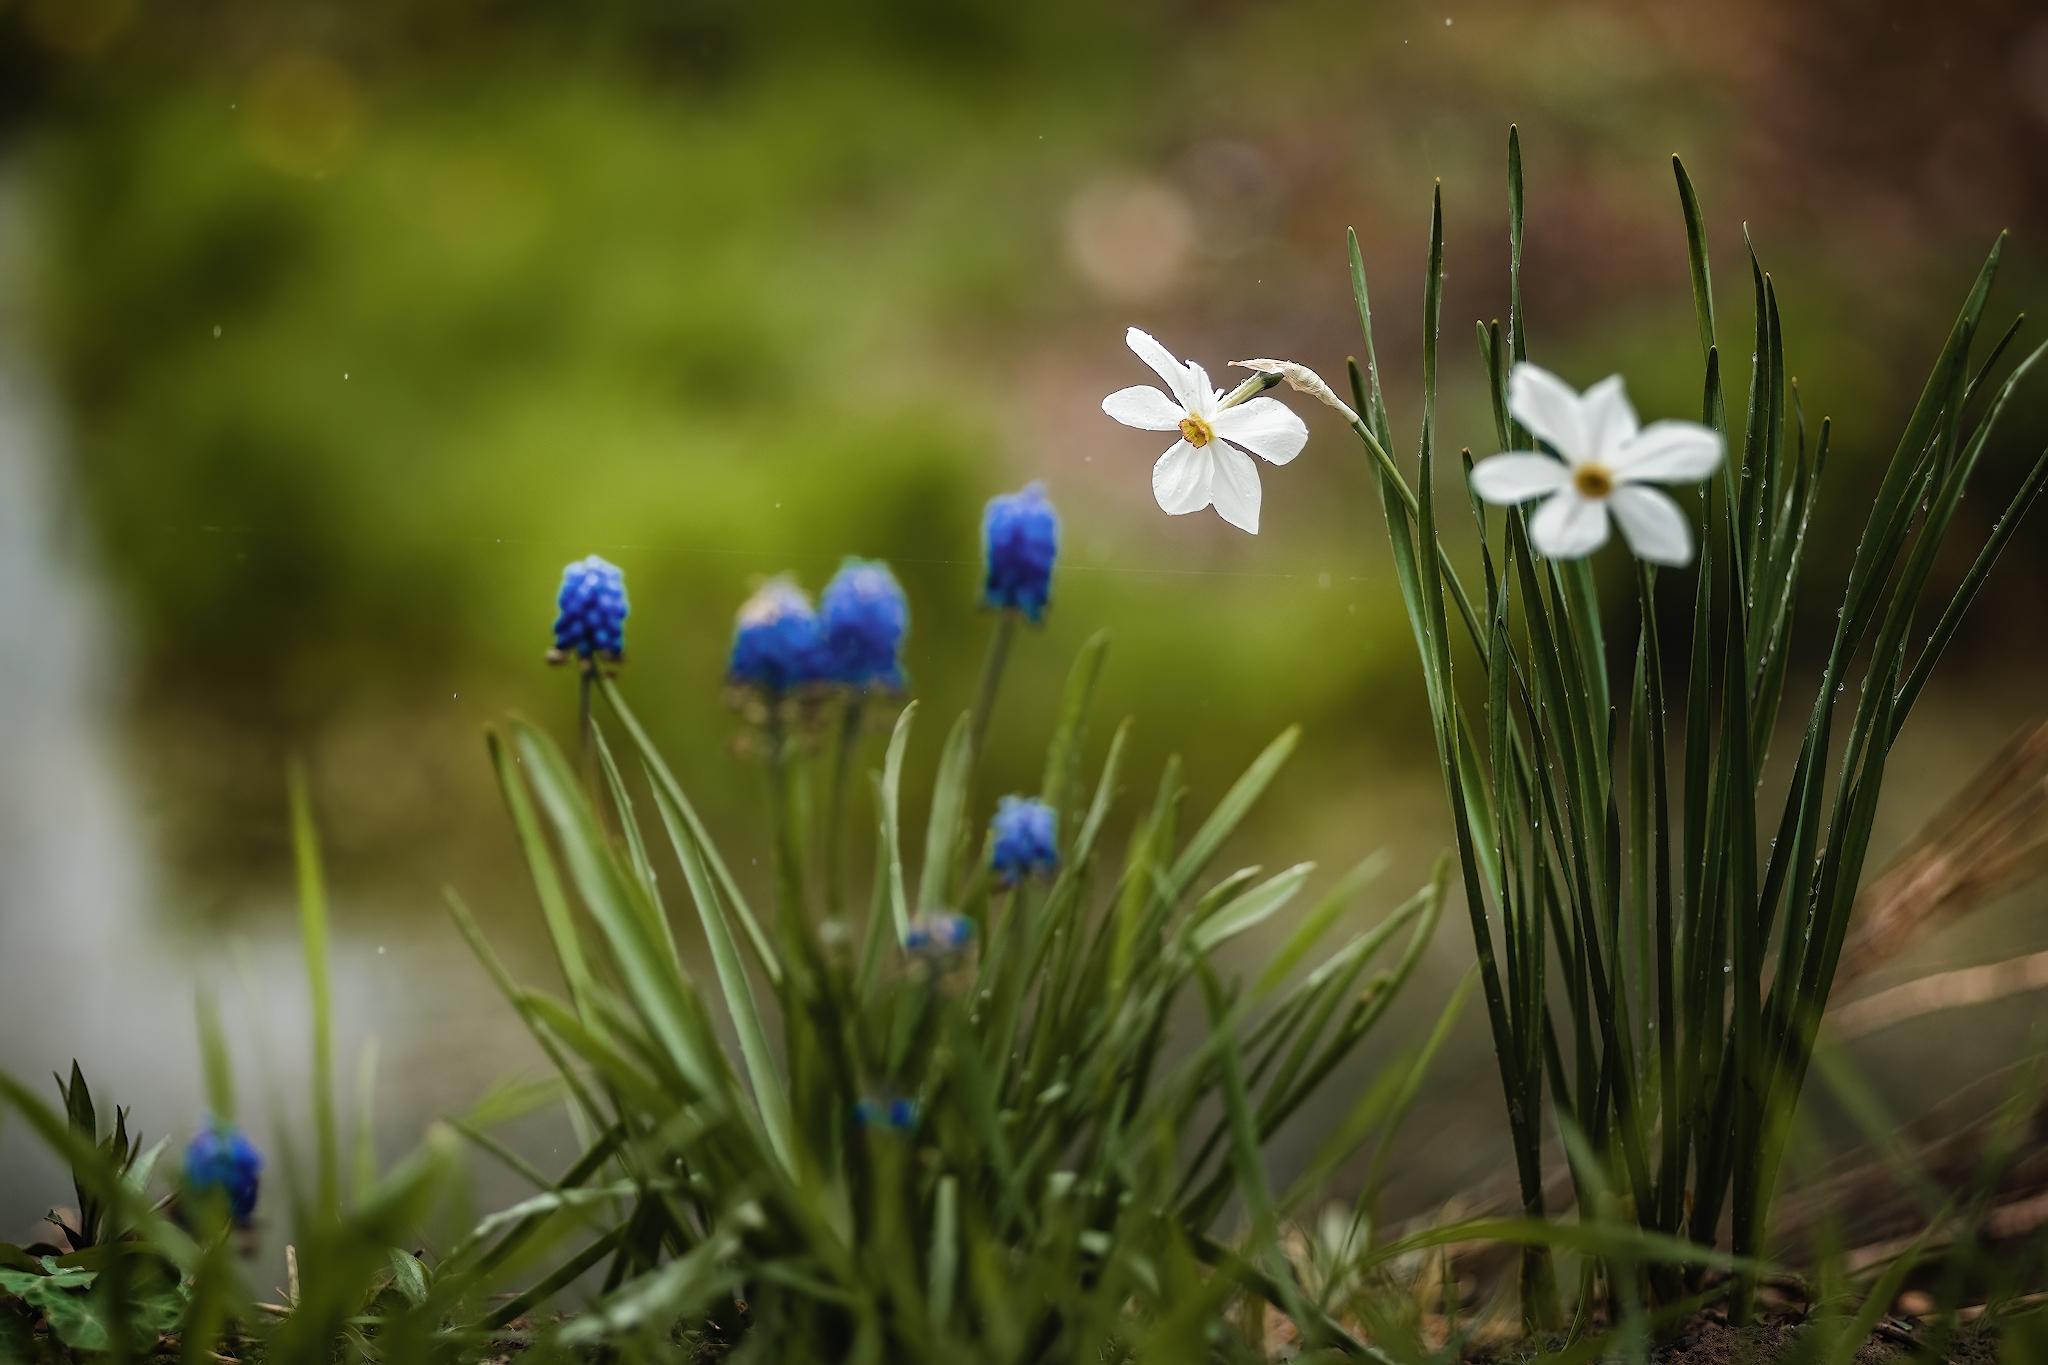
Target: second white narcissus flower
<point>1609,465</point>
<point>1205,466</point>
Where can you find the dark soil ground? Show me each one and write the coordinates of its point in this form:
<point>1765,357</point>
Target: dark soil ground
<point>1707,1339</point>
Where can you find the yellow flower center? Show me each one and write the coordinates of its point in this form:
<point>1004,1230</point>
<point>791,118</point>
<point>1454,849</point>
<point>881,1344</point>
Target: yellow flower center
<point>1196,432</point>
<point>1592,480</point>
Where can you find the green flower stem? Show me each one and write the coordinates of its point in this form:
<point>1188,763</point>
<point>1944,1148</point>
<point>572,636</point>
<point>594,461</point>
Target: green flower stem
<point>850,721</point>
<point>991,678</point>
<point>1392,473</point>
<point>585,752</point>
<point>788,871</point>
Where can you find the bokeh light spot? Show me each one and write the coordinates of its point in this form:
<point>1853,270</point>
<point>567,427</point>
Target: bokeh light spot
<point>302,114</point>
<point>1130,239</point>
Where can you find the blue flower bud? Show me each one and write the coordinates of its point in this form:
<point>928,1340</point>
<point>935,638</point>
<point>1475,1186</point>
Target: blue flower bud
<point>776,644</point>
<point>1020,538</point>
<point>592,619</point>
<point>891,1116</point>
<point>221,1158</point>
<point>1027,839</point>
<point>937,933</point>
<point>864,618</point>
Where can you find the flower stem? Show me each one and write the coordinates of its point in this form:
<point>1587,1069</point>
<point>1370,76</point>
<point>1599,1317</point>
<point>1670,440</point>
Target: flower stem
<point>586,752</point>
<point>835,813</point>
<point>991,678</point>
<point>788,877</point>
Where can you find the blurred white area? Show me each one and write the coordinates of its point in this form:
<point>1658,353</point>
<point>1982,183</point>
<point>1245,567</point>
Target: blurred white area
<point>91,965</point>
<point>82,972</point>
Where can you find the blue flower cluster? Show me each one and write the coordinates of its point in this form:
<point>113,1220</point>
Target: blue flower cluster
<point>1020,539</point>
<point>780,642</point>
<point>775,641</point>
<point>221,1158</point>
<point>864,618</point>
<point>938,933</point>
<point>592,616</point>
<point>889,1116</point>
<point>1027,839</point>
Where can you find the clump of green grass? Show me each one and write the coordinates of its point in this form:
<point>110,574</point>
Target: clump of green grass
<point>1624,882</point>
<point>1017,1149</point>
<point>1038,1135</point>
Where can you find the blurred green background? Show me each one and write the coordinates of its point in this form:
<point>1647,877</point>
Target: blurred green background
<point>365,318</point>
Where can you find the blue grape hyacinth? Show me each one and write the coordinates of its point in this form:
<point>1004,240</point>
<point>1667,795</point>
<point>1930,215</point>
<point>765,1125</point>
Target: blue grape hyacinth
<point>864,617</point>
<point>1027,839</point>
<point>776,641</point>
<point>889,1116</point>
<point>1020,539</point>
<point>221,1157</point>
<point>937,933</point>
<point>592,616</point>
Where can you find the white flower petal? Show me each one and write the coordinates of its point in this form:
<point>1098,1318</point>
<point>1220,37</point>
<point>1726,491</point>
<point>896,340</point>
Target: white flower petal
<point>1608,418</point>
<point>1179,382</point>
<point>1236,488</point>
<point>1549,407</point>
<point>1267,427</point>
<point>1145,408</point>
<point>1569,526</point>
<point>1652,524</point>
<point>1181,479</point>
<point>1669,452</point>
<point>1205,406</point>
<point>1518,476</point>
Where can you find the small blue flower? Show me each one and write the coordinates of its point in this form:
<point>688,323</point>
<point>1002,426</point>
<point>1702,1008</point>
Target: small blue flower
<point>1027,839</point>
<point>222,1158</point>
<point>776,644</point>
<point>1020,538</point>
<point>864,618</point>
<point>890,1116</point>
<point>592,619</point>
<point>937,933</point>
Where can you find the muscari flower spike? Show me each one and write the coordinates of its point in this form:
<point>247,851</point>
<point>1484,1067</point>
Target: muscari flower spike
<point>863,618</point>
<point>1020,539</point>
<point>221,1157</point>
<point>1609,464</point>
<point>890,1116</point>
<point>1206,467</point>
<point>776,643</point>
<point>937,933</point>
<point>1027,839</point>
<point>592,616</point>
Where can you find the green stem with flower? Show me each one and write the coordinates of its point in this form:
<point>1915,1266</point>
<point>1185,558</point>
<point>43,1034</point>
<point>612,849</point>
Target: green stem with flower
<point>1675,913</point>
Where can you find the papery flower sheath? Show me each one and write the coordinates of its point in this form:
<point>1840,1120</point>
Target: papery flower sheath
<point>1207,466</point>
<point>1608,464</point>
<point>863,617</point>
<point>1020,541</point>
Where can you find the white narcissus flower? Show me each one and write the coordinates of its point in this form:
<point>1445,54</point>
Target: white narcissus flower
<point>1205,466</point>
<point>1608,466</point>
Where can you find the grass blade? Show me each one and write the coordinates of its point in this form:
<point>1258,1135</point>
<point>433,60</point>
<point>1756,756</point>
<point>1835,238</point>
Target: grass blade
<point>313,929</point>
<point>944,833</point>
